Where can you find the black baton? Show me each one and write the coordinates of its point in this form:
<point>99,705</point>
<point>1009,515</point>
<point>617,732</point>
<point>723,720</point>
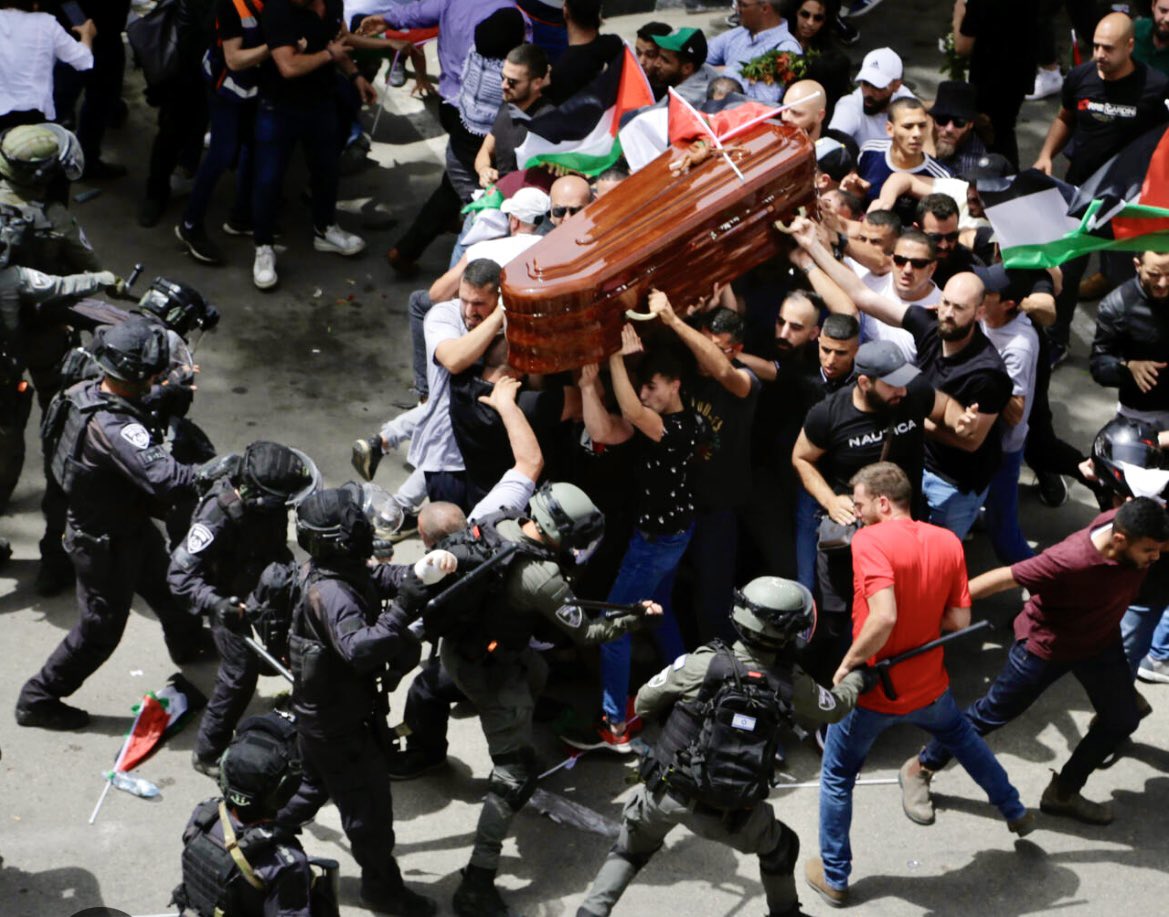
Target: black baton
<point>882,667</point>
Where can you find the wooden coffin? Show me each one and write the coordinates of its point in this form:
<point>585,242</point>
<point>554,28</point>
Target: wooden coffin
<point>567,295</point>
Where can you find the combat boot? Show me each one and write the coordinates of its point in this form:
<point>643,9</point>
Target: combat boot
<point>1057,801</point>
<point>477,895</point>
<point>397,902</point>
<point>50,714</point>
<point>915,791</point>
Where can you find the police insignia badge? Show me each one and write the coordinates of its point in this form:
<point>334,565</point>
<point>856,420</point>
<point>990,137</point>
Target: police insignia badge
<point>570,614</point>
<point>198,538</point>
<point>136,435</point>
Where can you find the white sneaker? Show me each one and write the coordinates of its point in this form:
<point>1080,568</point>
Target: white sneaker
<point>264,267</point>
<point>1047,83</point>
<point>336,239</point>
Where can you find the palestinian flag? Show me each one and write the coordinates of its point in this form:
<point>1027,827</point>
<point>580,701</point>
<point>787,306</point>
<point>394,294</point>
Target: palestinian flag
<point>580,135</point>
<point>1123,206</point>
<point>647,135</point>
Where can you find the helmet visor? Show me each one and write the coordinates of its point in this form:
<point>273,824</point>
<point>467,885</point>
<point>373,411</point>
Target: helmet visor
<point>1139,454</point>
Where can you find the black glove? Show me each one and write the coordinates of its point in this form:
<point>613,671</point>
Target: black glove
<point>227,613</point>
<point>412,596</point>
<point>869,678</point>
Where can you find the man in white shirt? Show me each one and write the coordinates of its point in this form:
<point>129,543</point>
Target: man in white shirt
<point>30,44</point>
<point>910,282</point>
<point>764,28</point>
<point>863,113</point>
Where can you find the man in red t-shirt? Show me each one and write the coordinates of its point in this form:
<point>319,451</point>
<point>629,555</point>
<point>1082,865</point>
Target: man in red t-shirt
<point>910,584</point>
<point>1080,589</point>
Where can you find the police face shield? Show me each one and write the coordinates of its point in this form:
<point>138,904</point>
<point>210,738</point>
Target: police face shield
<point>70,159</point>
<point>272,477</point>
<point>789,627</point>
<point>385,515</point>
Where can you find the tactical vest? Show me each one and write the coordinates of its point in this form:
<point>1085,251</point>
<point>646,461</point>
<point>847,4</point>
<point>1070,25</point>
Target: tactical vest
<point>327,692</point>
<point>218,882</point>
<point>64,424</point>
<point>237,84</point>
<point>482,616</point>
<point>719,747</point>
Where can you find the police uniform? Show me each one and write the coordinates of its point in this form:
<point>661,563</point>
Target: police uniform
<point>656,807</point>
<point>341,642</point>
<point>502,676</point>
<point>223,554</point>
<point>120,476</point>
<point>274,856</point>
<point>55,243</point>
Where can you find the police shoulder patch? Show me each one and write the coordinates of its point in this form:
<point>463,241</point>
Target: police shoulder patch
<point>199,537</point>
<point>826,700</point>
<point>660,679</point>
<point>136,435</point>
<point>570,614</point>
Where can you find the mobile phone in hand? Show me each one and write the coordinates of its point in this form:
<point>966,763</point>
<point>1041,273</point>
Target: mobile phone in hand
<point>73,12</point>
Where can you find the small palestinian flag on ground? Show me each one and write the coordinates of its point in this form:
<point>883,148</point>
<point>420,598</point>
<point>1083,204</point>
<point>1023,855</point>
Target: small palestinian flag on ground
<point>580,135</point>
<point>1123,206</point>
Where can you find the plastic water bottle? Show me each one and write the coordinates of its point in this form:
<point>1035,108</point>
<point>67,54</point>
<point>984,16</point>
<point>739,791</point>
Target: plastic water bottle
<point>137,786</point>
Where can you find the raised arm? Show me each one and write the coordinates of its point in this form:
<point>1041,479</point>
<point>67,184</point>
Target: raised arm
<point>602,427</point>
<point>647,421</point>
<point>458,354</point>
<point>710,358</point>
<point>525,448</point>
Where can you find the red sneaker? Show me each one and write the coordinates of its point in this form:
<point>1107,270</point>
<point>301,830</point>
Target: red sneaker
<point>603,736</point>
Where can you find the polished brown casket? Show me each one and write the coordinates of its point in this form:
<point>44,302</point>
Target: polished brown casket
<point>567,295</point>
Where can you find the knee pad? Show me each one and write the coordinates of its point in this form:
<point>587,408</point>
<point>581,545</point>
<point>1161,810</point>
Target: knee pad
<point>781,859</point>
<point>513,779</point>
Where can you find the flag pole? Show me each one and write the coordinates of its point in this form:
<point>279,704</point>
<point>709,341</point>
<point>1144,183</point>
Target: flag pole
<point>117,762</point>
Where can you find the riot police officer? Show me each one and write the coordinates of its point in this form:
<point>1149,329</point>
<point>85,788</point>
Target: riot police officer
<point>773,618</point>
<point>116,476</point>
<point>340,644</point>
<point>236,859</point>
<point>491,662</point>
<point>239,527</point>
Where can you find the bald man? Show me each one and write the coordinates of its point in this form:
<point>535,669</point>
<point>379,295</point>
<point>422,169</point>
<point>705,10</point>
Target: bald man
<point>570,194</point>
<point>1107,103</point>
<point>805,103</point>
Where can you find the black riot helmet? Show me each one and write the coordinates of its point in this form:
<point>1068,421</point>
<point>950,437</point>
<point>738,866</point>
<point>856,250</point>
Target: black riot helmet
<point>180,307</point>
<point>272,476</point>
<point>133,350</point>
<point>1127,459</point>
<point>331,524</point>
<point>261,770</point>
<point>771,614</point>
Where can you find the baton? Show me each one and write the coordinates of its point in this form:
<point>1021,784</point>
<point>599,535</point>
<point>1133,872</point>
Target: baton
<point>882,667</point>
<point>471,578</point>
<point>258,648</point>
<point>134,275</point>
<point>614,609</point>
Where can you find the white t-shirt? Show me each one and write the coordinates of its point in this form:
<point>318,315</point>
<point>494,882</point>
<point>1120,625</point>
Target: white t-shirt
<point>850,118</point>
<point>433,446</point>
<point>1018,344</point>
<point>30,44</point>
<point>504,249</point>
<point>873,329</point>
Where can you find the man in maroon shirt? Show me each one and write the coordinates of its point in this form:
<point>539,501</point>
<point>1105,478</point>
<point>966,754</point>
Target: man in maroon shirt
<point>1079,589</point>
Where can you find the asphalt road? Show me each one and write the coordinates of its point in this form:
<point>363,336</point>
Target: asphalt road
<point>324,358</point>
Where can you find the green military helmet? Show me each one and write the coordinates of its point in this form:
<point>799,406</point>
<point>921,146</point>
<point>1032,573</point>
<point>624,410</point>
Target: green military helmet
<point>568,519</point>
<point>30,154</point>
<point>771,614</point>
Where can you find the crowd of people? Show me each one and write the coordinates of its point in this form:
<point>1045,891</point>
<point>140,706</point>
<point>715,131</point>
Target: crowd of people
<point>772,484</point>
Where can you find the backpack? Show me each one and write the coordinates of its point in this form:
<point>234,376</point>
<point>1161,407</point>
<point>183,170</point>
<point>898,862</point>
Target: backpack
<point>738,714</point>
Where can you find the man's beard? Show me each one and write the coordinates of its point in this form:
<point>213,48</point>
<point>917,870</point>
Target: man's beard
<point>946,148</point>
<point>952,332</point>
<point>876,402</point>
<point>874,106</point>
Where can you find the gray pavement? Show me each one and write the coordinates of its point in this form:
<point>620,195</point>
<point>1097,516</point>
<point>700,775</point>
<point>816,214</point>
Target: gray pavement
<point>325,358</point>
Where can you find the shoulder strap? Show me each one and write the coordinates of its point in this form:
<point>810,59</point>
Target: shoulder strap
<point>231,845</point>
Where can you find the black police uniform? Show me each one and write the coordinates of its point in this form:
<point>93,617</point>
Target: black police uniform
<point>226,549</point>
<point>341,642</point>
<point>121,477</point>
<point>275,857</point>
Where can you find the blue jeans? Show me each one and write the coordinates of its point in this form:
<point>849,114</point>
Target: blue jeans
<point>232,125</point>
<point>950,507</point>
<point>647,572</point>
<point>278,129</point>
<point>847,746</point>
<point>1106,679</point>
<point>419,305</point>
<point>808,516</point>
<point>1144,630</point>
<point>1002,511</point>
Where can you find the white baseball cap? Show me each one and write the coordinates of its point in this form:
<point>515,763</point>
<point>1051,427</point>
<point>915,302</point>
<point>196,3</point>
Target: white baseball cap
<point>880,67</point>
<point>527,205</point>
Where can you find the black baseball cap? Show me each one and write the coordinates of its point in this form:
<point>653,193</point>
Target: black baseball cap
<point>884,360</point>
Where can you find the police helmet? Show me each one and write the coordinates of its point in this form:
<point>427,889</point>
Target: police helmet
<point>178,306</point>
<point>568,519</point>
<point>771,613</point>
<point>261,770</point>
<point>385,515</point>
<point>30,154</point>
<point>331,524</point>
<point>1127,459</point>
<point>133,350</point>
<point>272,476</point>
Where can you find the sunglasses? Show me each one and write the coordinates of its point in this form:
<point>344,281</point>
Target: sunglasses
<point>511,82</point>
<point>942,120</point>
<point>918,263</point>
<point>815,17</point>
<point>937,237</point>
<point>560,212</point>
